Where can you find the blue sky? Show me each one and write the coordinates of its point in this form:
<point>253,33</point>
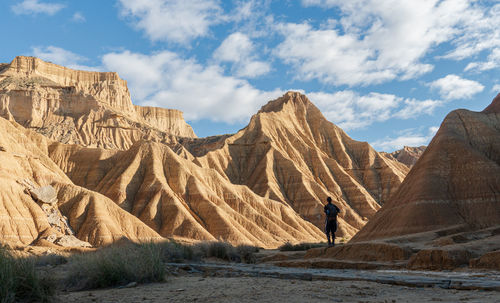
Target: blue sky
<point>386,71</point>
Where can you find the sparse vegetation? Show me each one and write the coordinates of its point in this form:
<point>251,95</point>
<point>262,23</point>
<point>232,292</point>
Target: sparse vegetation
<point>225,251</point>
<point>143,263</point>
<point>20,281</point>
<point>117,265</point>
<point>50,259</point>
<point>247,253</point>
<point>301,246</point>
<point>176,252</point>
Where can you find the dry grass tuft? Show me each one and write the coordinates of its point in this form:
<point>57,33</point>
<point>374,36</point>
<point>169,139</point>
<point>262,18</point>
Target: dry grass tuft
<point>20,281</point>
<point>301,246</point>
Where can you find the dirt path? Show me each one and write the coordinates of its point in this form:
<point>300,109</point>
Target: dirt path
<point>260,283</point>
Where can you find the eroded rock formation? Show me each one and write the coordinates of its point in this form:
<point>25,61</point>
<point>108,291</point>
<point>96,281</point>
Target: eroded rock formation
<point>79,107</point>
<point>407,155</point>
<point>260,186</point>
<point>39,204</point>
<point>447,211</point>
<point>178,198</point>
<point>290,153</point>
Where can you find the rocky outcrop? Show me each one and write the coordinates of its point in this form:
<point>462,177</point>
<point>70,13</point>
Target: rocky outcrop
<point>407,155</point>
<point>290,153</point>
<point>168,120</point>
<point>447,211</point>
<point>79,107</point>
<point>31,214</point>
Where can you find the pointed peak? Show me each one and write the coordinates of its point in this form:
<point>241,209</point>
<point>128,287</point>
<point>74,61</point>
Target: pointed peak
<point>291,97</point>
<point>494,107</point>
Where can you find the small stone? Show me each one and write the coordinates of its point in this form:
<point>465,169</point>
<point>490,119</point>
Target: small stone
<point>51,238</point>
<point>44,194</point>
<point>131,284</point>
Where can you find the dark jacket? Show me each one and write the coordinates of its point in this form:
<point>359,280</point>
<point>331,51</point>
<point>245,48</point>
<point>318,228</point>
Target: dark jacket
<point>331,211</point>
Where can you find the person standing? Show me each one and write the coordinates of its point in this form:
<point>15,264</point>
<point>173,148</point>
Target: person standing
<point>331,211</point>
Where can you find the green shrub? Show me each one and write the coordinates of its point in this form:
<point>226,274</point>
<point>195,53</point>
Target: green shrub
<point>219,250</point>
<point>50,259</point>
<point>19,280</point>
<point>177,252</point>
<point>117,265</point>
<point>301,246</point>
<point>225,251</point>
<point>247,253</point>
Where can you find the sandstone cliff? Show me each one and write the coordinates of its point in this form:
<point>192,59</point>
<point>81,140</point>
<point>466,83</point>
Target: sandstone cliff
<point>407,155</point>
<point>40,205</point>
<point>80,107</point>
<point>290,153</point>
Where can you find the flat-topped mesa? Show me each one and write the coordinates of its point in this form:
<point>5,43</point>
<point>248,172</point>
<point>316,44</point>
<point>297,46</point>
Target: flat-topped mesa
<point>105,87</point>
<point>169,120</point>
<point>80,107</point>
<point>30,66</point>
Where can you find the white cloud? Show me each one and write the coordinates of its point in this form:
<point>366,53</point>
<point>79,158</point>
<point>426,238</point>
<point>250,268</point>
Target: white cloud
<point>407,137</point>
<point>496,88</point>
<point>376,40</point>
<point>34,7</point>
<point>62,57</point>
<point>414,108</point>
<point>238,49</point>
<point>454,87</point>
<point>492,61</point>
<point>177,21</point>
<point>479,32</point>
<point>78,18</point>
<point>350,110</point>
<point>202,92</point>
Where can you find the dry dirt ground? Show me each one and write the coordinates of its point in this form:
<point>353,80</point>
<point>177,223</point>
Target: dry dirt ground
<point>196,288</point>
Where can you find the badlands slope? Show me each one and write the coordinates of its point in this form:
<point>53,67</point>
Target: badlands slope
<point>76,211</point>
<point>264,185</point>
<point>407,155</point>
<point>290,153</point>
<point>446,214</point>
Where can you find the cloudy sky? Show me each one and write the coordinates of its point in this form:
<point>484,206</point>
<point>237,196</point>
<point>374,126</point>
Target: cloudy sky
<point>387,71</point>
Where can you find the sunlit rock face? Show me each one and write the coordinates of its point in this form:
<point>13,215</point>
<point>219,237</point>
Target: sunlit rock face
<point>79,107</point>
<point>290,153</point>
<point>140,172</point>
<point>407,155</point>
<point>40,205</point>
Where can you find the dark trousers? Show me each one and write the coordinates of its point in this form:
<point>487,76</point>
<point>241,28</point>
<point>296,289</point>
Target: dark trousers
<point>330,227</point>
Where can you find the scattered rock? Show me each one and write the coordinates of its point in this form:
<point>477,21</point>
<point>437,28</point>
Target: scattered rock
<point>71,241</point>
<point>130,285</point>
<point>51,238</point>
<point>44,194</point>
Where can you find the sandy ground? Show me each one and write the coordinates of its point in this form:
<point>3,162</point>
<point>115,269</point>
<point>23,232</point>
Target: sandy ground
<point>196,288</point>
